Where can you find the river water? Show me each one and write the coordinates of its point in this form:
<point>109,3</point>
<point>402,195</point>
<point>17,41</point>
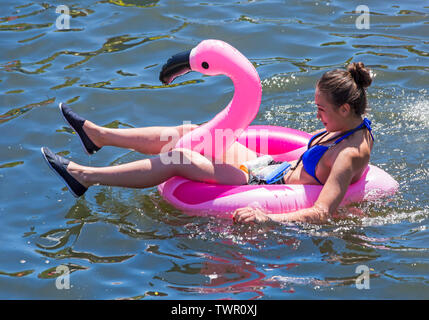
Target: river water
<point>130,244</point>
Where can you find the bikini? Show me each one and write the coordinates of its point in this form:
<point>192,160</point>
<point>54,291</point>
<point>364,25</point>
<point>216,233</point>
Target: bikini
<point>312,156</point>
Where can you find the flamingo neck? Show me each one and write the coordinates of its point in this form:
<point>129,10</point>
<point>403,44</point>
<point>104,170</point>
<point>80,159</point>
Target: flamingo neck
<point>247,94</point>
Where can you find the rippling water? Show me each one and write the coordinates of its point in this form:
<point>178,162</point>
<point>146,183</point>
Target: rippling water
<point>121,243</point>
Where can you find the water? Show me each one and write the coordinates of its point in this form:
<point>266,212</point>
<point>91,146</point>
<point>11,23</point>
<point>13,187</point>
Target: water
<point>121,243</point>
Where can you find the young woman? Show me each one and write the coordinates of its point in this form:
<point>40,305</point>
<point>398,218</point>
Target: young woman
<point>335,158</point>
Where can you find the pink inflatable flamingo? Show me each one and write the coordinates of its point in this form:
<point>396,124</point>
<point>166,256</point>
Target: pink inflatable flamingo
<point>214,57</point>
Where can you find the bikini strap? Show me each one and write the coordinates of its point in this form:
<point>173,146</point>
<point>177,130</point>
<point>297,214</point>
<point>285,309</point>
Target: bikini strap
<point>315,136</point>
<point>365,123</point>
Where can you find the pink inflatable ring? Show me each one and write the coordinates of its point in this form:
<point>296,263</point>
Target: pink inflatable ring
<point>199,198</point>
<point>213,57</point>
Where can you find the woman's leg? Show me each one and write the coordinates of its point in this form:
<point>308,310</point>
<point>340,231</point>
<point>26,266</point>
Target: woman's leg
<point>149,140</point>
<point>237,154</point>
<point>151,172</point>
<point>156,140</point>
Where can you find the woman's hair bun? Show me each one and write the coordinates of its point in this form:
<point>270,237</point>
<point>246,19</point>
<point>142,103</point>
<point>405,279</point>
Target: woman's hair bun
<point>360,74</point>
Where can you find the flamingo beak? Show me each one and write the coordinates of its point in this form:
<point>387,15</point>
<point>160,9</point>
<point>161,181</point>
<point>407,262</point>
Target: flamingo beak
<point>176,66</point>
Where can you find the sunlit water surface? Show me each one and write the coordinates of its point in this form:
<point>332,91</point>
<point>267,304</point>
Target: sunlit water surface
<point>130,244</point>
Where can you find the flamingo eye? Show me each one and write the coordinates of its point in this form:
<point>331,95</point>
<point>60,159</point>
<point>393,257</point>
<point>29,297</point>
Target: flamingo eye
<point>205,65</point>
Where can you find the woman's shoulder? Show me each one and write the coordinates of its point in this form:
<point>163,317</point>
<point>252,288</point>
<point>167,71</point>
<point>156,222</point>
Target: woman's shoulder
<point>356,153</point>
<point>356,149</point>
<point>361,141</point>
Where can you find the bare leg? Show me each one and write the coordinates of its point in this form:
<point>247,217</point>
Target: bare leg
<point>151,172</point>
<point>149,140</point>
<point>155,140</point>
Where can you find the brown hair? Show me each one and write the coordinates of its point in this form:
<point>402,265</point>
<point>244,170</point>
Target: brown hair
<point>347,86</point>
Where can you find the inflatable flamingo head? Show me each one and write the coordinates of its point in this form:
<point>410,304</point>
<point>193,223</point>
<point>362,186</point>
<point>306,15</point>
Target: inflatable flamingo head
<point>209,57</point>
<point>214,57</point>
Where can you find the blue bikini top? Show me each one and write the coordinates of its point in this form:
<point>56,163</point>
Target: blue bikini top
<point>311,157</point>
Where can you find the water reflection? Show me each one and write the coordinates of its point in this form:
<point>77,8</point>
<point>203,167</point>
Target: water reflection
<point>52,273</point>
<point>24,26</point>
<point>316,283</point>
<point>120,210</point>
<point>113,44</point>
<point>33,13</point>
<point>409,48</point>
<point>17,112</point>
<point>239,274</point>
<point>132,3</point>
<point>18,274</point>
<point>69,253</point>
<point>16,65</point>
<point>229,276</point>
<point>153,294</point>
<point>11,164</point>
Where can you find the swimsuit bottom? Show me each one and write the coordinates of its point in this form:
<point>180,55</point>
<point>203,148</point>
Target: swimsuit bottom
<point>256,180</point>
<point>264,170</point>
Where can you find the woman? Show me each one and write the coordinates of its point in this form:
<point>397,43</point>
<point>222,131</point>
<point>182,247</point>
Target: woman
<point>336,157</point>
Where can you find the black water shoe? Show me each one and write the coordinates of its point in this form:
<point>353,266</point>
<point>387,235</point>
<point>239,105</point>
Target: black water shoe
<point>59,165</point>
<point>76,123</point>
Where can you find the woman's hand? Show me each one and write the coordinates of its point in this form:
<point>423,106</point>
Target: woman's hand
<point>248,214</point>
<point>315,214</point>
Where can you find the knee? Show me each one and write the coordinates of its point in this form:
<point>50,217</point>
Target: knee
<point>180,156</point>
<point>186,160</point>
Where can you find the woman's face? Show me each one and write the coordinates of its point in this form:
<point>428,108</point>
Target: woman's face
<point>327,113</point>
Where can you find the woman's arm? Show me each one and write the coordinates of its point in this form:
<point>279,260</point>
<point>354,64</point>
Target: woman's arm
<point>348,162</point>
